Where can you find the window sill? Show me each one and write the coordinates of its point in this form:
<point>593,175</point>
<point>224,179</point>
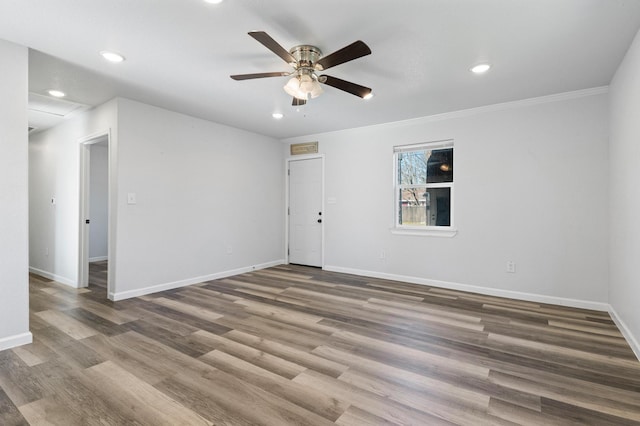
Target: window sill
<point>421,232</point>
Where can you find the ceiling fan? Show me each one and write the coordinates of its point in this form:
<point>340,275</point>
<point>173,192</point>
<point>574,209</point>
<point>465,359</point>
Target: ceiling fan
<point>307,61</point>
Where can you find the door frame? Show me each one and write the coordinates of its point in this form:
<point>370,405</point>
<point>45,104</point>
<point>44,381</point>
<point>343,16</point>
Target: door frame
<point>286,203</point>
<point>84,192</point>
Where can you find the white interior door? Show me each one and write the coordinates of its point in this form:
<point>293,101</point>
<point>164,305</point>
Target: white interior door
<point>305,212</point>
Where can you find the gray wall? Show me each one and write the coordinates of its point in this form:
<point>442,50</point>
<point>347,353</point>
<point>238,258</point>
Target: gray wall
<point>14,284</point>
<point>624,194</point>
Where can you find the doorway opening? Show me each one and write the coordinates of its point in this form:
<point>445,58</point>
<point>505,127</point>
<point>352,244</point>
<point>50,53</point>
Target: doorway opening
<point>94,262</point>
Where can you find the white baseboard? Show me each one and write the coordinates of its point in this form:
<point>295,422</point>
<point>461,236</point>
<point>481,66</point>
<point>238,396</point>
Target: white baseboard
<point>17,340</point>
<point>54,277</point>
<point>196,280</point>
<point>529,297</point>
<point>626,332</point>
<point>98,259</point>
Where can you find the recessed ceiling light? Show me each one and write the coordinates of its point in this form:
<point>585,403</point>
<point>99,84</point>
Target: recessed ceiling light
<point>112,56</point>
<point>56,93</point>
<point>277,115</point>
<point>213,1</point>
<point>480,68</point>
<point>368,96</point>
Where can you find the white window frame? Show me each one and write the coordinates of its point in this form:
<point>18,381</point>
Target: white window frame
<point>436,231</point>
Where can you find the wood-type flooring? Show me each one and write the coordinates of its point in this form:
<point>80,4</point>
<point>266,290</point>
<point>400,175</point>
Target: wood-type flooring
<point>293,345</point>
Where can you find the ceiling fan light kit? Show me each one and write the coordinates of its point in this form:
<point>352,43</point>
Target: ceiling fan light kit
<point>307,60</point>
<point>303,86</point>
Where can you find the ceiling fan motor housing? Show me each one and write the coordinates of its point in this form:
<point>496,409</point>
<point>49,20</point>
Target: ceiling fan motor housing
<point>306,56</point>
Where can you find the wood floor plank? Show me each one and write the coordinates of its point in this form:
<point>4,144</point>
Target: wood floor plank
<point>267,361</point>
<point>318,363</point>
<point>581,415</point>
<point>378,405</point>
<point>67,325</point>
<point>295,345</point>
<point>145,403</point>
<point>302,338</point>
<point>74,403</point>
<point>416,356</point>
<point>578,397</point>
<point>137,363</point>
<point>29,357</point>
<point>108,313</point>
<point>398,376</point>
<point>354,416</point>
<point>242,399</point>
<point>560,354</point>
<point>454,410</point>
<point>472,323</point>
<point>17,380</point>
<point>524,416</point>
<point>311,399</point>
<point>204,314</point>
<point>10,415</point>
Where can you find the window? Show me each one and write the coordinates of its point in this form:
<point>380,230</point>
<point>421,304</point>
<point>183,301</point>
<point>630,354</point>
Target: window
<point>424,187</point>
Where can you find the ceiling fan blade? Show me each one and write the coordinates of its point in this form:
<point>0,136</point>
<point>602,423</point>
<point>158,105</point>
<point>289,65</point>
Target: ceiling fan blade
<point>266,40</point>
<point>353,51</point>
<point>258,75</point>
<point>298,102</point>
<point>347,86</point>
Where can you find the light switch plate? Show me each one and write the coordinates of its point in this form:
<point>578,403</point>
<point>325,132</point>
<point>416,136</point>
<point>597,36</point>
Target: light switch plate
<point>131,198</point>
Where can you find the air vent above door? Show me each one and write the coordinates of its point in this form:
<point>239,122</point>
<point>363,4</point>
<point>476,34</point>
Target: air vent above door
<point>53,106</point>
<point>46,112</point>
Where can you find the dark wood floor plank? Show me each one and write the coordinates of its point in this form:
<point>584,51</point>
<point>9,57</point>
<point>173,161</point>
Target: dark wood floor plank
<point>582,398</point>
<point>10,416</point>
<point>525,416</point>
<point>295,345</point>
<point>583,416</point>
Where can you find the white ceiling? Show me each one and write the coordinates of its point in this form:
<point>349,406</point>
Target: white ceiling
<point>180,54</point>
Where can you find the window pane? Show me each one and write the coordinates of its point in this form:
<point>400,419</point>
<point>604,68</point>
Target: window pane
<point>440,165</point>
<point>425,207</point>
<point>412,167</point>
<point>426,166</point>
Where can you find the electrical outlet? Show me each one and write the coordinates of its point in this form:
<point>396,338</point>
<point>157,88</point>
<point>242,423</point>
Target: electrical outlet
<point>229,250</point>
<point>511,267</point>
<point>46,251</point>
<point>383,254</point>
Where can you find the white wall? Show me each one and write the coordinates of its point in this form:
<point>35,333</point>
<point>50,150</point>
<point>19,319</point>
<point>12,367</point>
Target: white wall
<point>202,188</point>
<point>530,179</point>
<point>14,284</point>
<point>98,202</point>
<point>54,172</point>
<point>624,194</point>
